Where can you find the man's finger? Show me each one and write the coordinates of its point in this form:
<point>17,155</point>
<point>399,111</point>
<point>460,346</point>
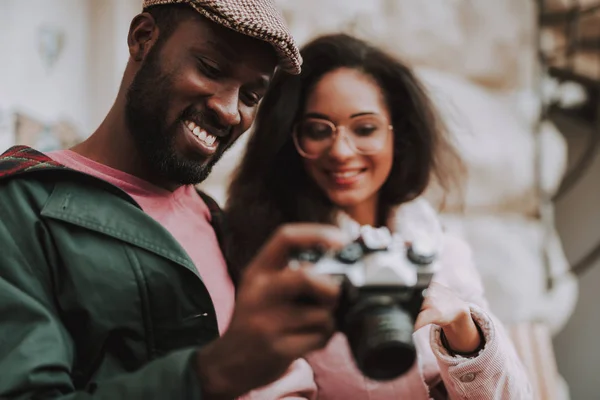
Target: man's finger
<point>303,286</point>
<point>310,319</point>
<point>275,253</point>
<point>299,345</point>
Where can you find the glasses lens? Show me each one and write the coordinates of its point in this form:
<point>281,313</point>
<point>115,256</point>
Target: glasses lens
<point>369,133</point>
<point>313,136</point>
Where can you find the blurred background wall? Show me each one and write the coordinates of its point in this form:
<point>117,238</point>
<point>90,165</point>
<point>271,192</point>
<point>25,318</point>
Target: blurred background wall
<point>62,59</point>
<point>578,222</point>
<point>61,63</point>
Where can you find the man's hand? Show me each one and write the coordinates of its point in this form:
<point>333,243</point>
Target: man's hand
<point>270,326</point>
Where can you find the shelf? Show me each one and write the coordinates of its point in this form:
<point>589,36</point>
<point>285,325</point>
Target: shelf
<point>568,15</point>
<point>567,74</point>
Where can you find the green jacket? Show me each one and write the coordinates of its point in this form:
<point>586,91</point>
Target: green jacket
<point>97,300</point>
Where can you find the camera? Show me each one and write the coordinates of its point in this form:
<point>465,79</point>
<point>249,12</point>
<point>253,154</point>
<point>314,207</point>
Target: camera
<point>384,281</point>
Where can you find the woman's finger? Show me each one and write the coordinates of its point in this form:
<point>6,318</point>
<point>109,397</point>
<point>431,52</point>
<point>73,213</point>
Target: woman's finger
<point>426,317</point>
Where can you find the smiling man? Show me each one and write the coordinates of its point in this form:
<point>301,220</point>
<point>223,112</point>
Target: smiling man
<point>187,94</point>
<point>113,284</point>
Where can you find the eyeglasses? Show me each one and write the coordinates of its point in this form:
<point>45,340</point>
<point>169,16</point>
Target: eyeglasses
<point>365,135</point>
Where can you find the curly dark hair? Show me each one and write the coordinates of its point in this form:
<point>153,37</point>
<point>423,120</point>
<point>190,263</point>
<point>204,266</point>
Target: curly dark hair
<point>270,186</point>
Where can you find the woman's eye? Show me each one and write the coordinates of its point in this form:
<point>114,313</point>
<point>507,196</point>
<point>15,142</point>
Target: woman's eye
<point>365,130</point>
<point>316,132</point>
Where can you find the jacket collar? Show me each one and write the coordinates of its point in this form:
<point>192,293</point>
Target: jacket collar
<point>93,208</point>
<point>21,159</point>
<point>93,205</point>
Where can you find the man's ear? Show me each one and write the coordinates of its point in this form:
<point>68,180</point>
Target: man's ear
<point>143,34</point>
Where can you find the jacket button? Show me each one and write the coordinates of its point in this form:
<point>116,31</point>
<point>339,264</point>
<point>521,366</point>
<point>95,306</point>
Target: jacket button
<point>466,378</point>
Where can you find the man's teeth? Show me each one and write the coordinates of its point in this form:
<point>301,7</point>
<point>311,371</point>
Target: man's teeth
<point>201,134</point>
<point>345,174</point>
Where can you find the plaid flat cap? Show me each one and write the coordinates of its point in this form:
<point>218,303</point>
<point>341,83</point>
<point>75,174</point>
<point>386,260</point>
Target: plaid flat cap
<point>259,19</point>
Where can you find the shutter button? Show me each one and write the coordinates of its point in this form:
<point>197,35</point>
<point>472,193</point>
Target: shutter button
<point>466,378</point>
<point>351,253</point>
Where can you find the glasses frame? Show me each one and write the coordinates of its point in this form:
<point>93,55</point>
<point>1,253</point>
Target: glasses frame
<point>338,130</point>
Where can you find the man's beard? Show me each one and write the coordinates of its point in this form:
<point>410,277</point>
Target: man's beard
<point>146,112</point>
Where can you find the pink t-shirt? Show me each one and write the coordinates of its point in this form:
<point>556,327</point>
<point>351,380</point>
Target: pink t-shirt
<point>184,214</point>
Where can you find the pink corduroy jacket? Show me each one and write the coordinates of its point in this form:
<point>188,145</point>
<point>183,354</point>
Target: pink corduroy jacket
<point>495,373</point>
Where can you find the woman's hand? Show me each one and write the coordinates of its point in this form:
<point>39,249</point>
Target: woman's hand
<point>445,309</point>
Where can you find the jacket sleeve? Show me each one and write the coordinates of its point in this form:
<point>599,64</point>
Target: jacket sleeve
<point>37,352</point>
<point>496,371</point>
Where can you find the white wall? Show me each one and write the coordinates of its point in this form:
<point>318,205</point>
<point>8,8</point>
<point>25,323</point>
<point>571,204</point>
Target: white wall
<point>25,83</point>
<point>108,54</point>
<point>84,81</point>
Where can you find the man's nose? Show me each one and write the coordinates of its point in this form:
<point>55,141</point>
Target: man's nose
<point>225,105</point>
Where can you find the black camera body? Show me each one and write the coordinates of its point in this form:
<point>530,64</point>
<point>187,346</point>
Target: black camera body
<point>384,281</point>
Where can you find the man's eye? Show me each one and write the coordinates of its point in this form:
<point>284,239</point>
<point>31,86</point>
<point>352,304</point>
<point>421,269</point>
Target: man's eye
<point>211,71</point>
<point>251,99</point>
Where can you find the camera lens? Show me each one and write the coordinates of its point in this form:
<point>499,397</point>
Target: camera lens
<point>380,337</point>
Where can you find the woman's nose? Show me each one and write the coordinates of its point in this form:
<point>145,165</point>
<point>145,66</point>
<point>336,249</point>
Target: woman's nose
<point>341,147</point>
